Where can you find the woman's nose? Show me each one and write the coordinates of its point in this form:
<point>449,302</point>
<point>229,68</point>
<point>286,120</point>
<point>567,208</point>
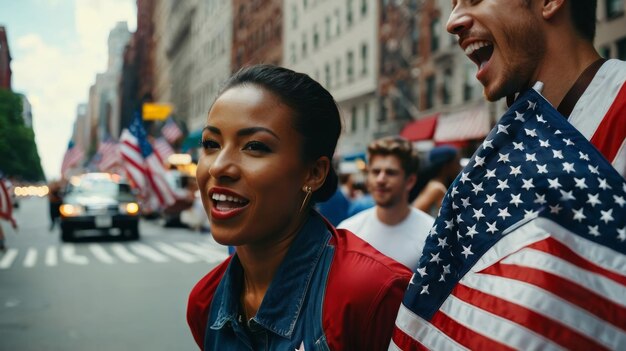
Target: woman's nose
<point>225,165</point>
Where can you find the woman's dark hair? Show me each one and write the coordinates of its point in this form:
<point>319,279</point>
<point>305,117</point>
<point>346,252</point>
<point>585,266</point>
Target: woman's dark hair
<point>316,114</point>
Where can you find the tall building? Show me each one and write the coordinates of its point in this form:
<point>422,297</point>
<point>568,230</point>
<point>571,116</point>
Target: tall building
<point>611,29</point>
<point>27,111</point>
<point>5,60</point>
<point>336,43</point>
<point>257,32</point>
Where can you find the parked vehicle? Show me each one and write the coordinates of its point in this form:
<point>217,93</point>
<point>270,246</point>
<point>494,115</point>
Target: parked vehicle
<point>183,186</point>
<point>99,201</point>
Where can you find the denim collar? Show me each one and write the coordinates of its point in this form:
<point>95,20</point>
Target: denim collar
<point>285,296</point>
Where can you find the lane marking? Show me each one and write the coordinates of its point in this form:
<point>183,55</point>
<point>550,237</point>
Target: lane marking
<point>8,258</point>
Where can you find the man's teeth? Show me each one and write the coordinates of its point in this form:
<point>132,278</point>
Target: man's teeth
<point>222,197</point>
<point>475,46</point>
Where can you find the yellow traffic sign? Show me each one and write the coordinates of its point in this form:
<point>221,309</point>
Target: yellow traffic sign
<point>156,112</point>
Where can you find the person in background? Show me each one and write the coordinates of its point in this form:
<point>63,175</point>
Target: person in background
<point>363,202</point>
<point>443,166</point>
<point>55,200</point>
<point>295,282</point>
<point>393,226</point>
<point>336,208</point>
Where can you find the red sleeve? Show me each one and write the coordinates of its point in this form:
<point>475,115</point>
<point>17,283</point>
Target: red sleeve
<point>363,294</point>
<point>199,303</point>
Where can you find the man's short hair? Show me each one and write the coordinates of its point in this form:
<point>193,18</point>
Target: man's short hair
<point>396,146</point>
<point>583,14</point>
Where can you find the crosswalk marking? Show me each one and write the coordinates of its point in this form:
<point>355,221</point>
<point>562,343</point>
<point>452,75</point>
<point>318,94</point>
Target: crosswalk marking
<point>148,252</point>
<point>31,258</point>
<point>209,254</point>
<point>8,258</point>
<point>68,252</point>
<point>51,256</point>
<point>122,252</point>
<point>101,254</point>
<point>176,253</point>
<point>114,253</point>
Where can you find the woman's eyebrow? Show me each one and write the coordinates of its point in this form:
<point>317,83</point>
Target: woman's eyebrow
<point>213,130</point>
<point>252,130</point>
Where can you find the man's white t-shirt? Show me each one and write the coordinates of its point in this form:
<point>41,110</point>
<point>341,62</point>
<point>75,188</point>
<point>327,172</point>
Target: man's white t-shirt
<point>403,242</point>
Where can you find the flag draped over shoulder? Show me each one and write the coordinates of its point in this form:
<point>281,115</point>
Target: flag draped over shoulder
<point>171,131</point>
<point>72,156</point>
<point>6,205</point>
<point>529,248</point>
<point>142,166</point>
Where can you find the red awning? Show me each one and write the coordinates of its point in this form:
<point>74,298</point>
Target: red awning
<point>422,129</point>
<point>467,124</point>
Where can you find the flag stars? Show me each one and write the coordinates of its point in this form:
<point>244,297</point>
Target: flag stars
<point>478,214</point>
<point>557,154</point>
<point>541,119</point>
<point>528,184</point>
<point>503,128</point>
<point>519,116</point>
<point>433,231</point>
<point>531,105</point>
<point>449,224</point>
<point>531,132</point>
<point>567,195</point>
<point>491,227</point>
<point>583,156</point>
<point>443,242</point>
<point>424,290</point>
<point>530,214</point>
<point>593,170</point>
<point>554,183</point>
<point>503,184</point>
<point>621,234</point>
<point>593,199</point>
<point>606,216</point>
<point>555,209</point>
<point>518,146</point>
<point>580,183</point>
<point>491,199</point>
<point>504,212</point>
<point>465,202</point>
<point>544,143</point>
<point>579,215</point>
<point>516,199</point>
<point>464,177</point>
<point>435,258</point>
<point>516,170</point>
<point>491,173</point>
<point>477,188</point>
<point>467,251</point>
<point>422,272</point>
<point>604,185</point>
<point>531,157</point>
<point>454,191</point>
<point>542,169</point>
<point>593,230</point>
<point>479,161</point>
<point>568,167</point>
<point>471,231</point>
<point>568,142</point>
<point>488,143</point>
<point>540,199</point>
<point>619,200</point>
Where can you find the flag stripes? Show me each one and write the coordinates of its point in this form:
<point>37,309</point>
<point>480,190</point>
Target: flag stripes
<point>410,328</point>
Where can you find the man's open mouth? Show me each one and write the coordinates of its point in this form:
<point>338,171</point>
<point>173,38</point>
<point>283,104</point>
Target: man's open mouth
<point>480,52</point>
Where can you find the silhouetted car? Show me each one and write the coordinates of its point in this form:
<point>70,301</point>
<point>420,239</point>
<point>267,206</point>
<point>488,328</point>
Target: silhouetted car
<point>100,201</point>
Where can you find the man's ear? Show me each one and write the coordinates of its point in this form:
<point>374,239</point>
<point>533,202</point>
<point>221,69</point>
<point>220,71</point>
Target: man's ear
<point>317,173</point>
<point>552,7</point>
<point>410,181</point>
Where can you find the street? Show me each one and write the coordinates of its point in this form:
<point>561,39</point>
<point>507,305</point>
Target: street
<point>97,294</point>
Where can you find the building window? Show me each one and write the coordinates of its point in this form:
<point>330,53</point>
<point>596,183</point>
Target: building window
<point>292,50</point>
<point>447,86</point>
<point>338,21</point>
<point>430,92</point>
<point>350,67</point>
<point>353,124</point>
<point>621,49</point>
<point>327,23</point>
<point>349,12</point>
<point>468,87</point>
<point>305,3</point>
<point>364,59</point>
<point>614,8</point>
<point>304,45</point>
<point>338,71</point>
<point>435,34</point>
<point>366,116</point>
<point>328,76</point>
<point>316,37</point>
<point>364,7</point>
<point>294,19</point>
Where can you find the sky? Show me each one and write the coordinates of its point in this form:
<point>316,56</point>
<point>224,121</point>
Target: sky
<point>57,48</point>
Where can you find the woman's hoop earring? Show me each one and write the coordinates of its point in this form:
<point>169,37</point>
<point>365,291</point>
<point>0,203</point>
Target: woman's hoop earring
<point>308,190</point>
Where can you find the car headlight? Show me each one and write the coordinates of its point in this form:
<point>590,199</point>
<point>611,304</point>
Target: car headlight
<point>131,208</point>
<point>68,210</point>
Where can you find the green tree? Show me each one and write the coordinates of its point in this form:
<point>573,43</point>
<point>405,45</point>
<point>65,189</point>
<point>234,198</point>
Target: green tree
<point>18,152</point>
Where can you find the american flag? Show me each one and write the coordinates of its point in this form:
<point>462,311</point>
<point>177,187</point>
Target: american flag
<point>72,156</point>
<point>142,166</point>
<point>162,149</point>
<point>170,131</point>
<point>6,205</point>
<point>529,248</point>
<point>109,155</point>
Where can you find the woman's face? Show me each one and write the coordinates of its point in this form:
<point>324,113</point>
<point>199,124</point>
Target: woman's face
<point>250,171</point>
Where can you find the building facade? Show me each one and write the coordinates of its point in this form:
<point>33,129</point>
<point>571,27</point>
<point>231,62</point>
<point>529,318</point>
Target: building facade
<point>611,29</point>
<point>5,60</point>
<point>257,32</point>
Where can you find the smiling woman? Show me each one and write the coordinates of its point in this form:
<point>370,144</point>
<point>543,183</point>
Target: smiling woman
<point>267,146</point>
